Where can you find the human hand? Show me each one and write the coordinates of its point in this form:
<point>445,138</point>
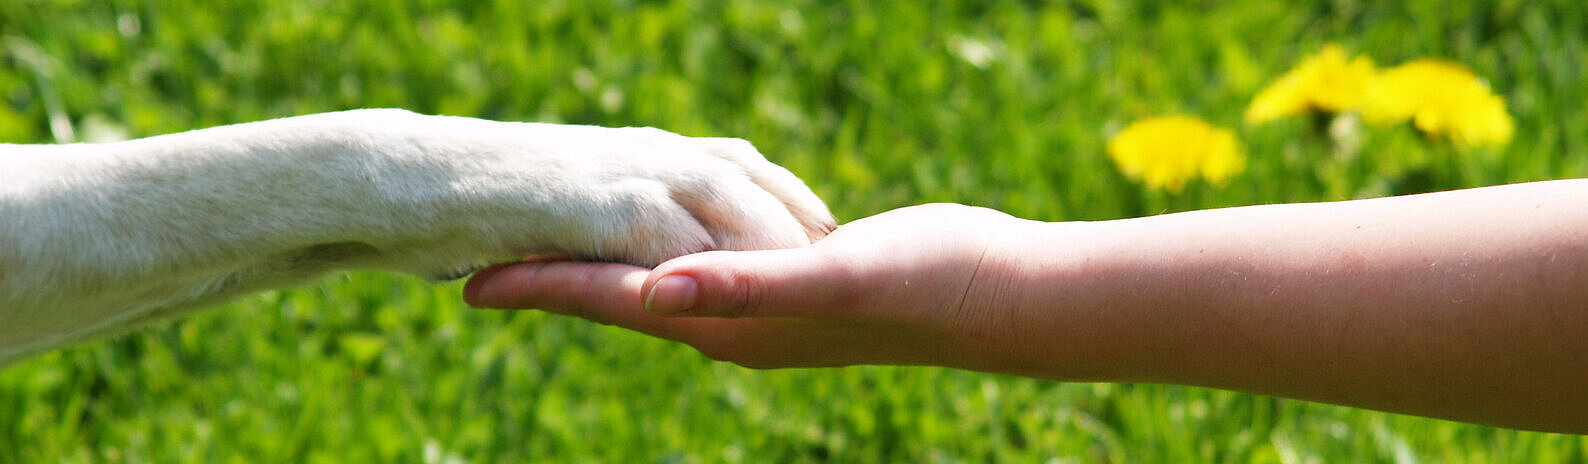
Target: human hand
<point>1463,305</point>
<point>909,286</point>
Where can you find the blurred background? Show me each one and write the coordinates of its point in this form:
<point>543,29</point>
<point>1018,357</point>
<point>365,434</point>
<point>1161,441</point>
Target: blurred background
<point>877,105</point>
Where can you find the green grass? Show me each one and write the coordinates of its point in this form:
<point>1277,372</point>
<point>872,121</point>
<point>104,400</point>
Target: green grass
<point>877,105</point>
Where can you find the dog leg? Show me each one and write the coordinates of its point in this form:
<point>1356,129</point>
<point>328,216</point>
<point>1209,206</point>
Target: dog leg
<point>98,238</point>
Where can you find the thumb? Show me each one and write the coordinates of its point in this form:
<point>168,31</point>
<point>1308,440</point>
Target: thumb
<point>765,283</point>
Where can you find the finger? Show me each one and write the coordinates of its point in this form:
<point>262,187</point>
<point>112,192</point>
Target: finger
<point>471,289</point>
<point>798,282</point>
<point>605,293</point>
<point>556,285</point>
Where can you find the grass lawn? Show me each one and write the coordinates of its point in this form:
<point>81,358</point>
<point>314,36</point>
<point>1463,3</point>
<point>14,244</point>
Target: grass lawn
<point>876,104</point>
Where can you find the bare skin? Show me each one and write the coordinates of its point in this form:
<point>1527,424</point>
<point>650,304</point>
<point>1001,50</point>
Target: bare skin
<point>1468,305</point>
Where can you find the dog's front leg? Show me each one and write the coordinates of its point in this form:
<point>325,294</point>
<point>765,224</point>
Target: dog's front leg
<point>98,238</point>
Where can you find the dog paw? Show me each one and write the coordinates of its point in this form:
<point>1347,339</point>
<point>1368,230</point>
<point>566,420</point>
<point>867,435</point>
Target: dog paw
<point>632,195</point>
<point>689,195</point>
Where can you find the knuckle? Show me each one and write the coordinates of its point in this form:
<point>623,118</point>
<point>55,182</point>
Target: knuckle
<point>746,295</point>
<point>715,353</point>
<point>649,133</point>
<point>734,149</point>
<point>756,364</point>
<point>736,352</point>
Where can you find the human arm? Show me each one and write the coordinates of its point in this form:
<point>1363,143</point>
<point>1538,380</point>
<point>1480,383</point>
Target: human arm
<point>1469,305</point>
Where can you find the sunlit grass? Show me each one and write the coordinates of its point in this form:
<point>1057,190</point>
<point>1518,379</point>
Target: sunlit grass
<point>877,105</point>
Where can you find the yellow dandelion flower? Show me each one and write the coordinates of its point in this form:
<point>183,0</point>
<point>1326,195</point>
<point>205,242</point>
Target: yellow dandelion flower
<point>1329,81</point>
<point>1442,99</point>
<point>1165,152</point>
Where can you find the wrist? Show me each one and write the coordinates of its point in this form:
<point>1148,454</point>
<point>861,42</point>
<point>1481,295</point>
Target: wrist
<point>1082,303</point>
<point>1009,295</point>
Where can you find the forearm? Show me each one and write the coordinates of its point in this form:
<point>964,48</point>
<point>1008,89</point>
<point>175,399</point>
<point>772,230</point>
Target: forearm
<point>1469,305</point>
<point>221,196</point>
<point>113,234</point>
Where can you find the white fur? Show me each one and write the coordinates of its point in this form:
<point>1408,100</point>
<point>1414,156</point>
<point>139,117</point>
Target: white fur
<point>98,238</point>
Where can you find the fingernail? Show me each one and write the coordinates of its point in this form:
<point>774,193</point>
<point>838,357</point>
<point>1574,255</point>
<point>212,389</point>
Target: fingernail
<point>475,294</point>
<point>471,289</point>
<point>672,295</point>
